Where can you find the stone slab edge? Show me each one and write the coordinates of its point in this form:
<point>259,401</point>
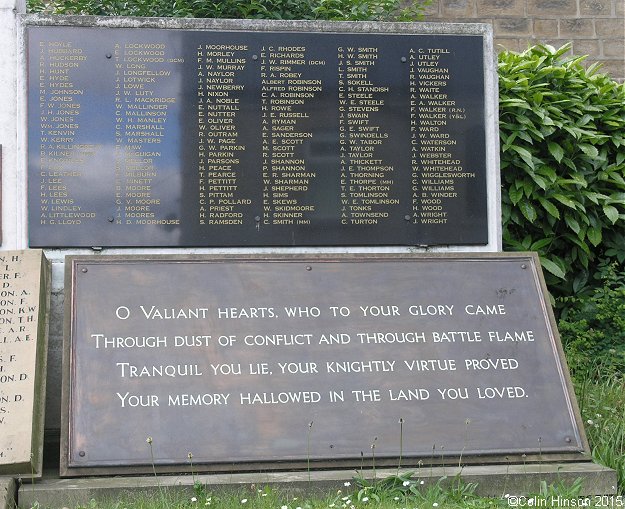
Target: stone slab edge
<point>492,480</point>
<point>8,492</point>
<point>39,407</point>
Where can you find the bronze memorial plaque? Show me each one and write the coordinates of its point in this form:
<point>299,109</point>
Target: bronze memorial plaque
<point>24,309</point>
<point>271,363</point>
<point>156,137</point>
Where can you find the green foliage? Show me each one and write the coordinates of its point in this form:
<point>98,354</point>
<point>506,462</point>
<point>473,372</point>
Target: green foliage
<point>548,492</point>
<point>601,397</point>
<point>562,130</point>
<point>593,335</point>
<point>593,327</point>
<point>403,488</point>
<point>343,10</point>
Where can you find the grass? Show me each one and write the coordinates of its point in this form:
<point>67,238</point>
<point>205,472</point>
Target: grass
<point>353,496</point>
<point>601,398</point>
<point>393,493</point>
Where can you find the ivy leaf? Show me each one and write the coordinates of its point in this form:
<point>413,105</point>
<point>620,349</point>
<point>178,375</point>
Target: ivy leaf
<point>549,207</point>
<point>580,282</point>
<point>528,211</point>
<point>594,236</point>
<point>515,195</point>
<point>564,200</point>
<point>551,267</point>
<point>572,223</point>
<point>525,155</point>
<point>611,213</point>
<point>542,183</point>
<point>540,244</point>
<point>589,150</point>
<point>556,151</point>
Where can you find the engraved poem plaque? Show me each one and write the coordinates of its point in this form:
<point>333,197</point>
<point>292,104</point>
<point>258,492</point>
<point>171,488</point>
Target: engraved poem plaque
<point>24,303</point>
<point>269,363</point>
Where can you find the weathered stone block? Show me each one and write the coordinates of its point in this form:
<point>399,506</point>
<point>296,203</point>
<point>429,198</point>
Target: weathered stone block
<point>558,7</point>
<point>576,28</point>
<point>614,48</point>
<point>458,8</point>
<point>509,43</point>
<point>595,7</point>
<point>610,28</point>
<point>501,8</point>
<point>545,28</point>
<point>432,9</point>
<point>8,492</point>
<point>512,26</point>
<point>589,47</point>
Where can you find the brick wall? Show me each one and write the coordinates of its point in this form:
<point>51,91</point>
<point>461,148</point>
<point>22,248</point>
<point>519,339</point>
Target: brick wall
<point>595,27</point>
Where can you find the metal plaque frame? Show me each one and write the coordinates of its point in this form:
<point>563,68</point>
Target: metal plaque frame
<point>131,320</point>
<point>92,184</point>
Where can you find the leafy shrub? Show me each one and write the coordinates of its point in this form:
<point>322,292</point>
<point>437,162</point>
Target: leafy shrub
<point>593,327</point>
<point>349,10</point>
<point>562,130</point>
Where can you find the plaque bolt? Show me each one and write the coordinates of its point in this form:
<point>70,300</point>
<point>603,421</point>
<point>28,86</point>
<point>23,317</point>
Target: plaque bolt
<point>85,270</point>
<point>108,55</point>
<point>110,219</point>
<point>308,267</point>
<point>254,57</point>
<point>524,266</point>
<point>567,440</point>
<point>407,217</point>
<point>81,454</point>
<point>257,219</point>
<point>404,60</point>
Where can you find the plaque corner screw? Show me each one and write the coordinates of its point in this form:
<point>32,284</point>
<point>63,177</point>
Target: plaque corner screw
<point>568,440</point>
<point>81,454</point>
<point>523,266</point>
<point>84,270</point>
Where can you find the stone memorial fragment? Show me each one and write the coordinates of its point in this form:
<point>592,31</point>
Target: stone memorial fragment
<point>24,308</point>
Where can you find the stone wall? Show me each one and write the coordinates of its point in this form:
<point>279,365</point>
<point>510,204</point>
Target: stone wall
<point>595,27</point>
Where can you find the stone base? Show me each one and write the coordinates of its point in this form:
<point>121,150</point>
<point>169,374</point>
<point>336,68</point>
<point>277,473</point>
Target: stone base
<point>492,480</point>
<point>8,490</point>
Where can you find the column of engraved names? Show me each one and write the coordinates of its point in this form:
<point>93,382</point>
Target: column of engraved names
<point>435,166</point>
<point>219,146</point>
<point>286,90</point>
<point>63,157</point>
<point>366,178</point>
<point>140,123</point>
